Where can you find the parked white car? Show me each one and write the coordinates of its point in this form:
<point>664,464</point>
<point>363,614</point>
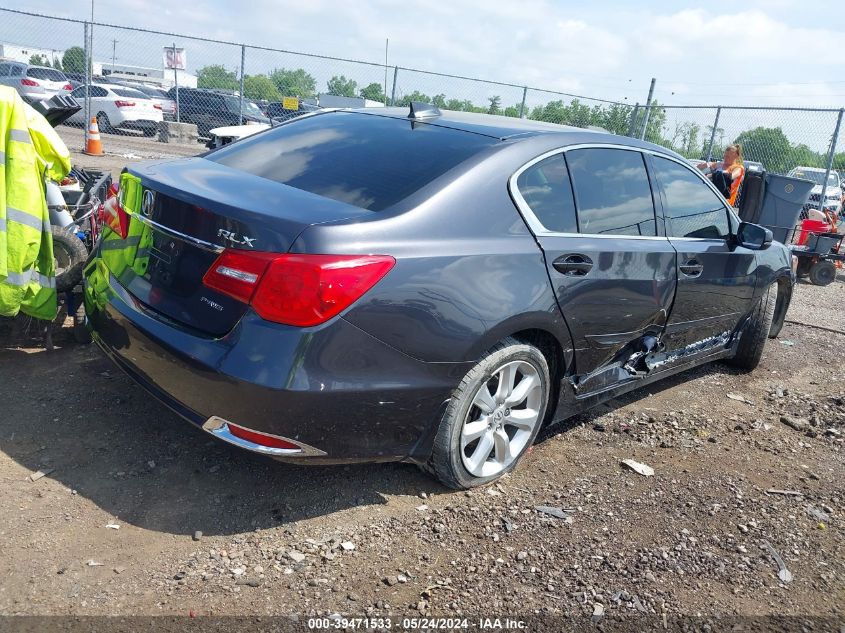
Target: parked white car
<point>34,83</point>
<point>832,193</point>
<point>229,134</point>
<point>119,108</point>
<point>157,95</point>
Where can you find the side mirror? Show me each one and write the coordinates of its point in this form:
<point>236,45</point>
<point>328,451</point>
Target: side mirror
<point>753,236</point>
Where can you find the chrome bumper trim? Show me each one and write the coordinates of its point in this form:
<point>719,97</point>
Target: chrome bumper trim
<point>219,428</point>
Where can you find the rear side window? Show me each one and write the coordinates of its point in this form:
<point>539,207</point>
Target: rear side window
<point>692,208</point>
<point>47,74</point>
<point>369,161</point>
<point>4,70</point>
<point>16,71</point>
<point>546,189</point>
<point>612,192</point>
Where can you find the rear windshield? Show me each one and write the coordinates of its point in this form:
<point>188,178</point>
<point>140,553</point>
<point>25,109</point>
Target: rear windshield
<point>369,161</point>
<point>45,73</point>
<point>129,92</point>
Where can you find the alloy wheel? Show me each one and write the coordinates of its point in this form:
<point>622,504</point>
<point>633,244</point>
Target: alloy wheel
<point>501,420</point>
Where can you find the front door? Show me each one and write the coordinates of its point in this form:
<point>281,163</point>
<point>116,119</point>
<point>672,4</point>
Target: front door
<point>614,277</point>
<point>716,277</point>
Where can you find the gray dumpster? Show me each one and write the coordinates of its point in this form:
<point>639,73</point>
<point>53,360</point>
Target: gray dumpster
<point>783,201</point>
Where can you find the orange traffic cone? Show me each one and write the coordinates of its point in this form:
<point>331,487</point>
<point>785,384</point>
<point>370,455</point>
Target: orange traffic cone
<point>94,147</point>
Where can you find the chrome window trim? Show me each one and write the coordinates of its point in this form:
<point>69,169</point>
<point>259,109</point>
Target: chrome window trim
<point>537,227</point>
<point>208,246</point>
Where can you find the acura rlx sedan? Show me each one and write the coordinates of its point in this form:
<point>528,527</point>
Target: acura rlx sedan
<point>424,286</point>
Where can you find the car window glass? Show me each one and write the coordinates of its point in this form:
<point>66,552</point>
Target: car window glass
<point>129,92</point>
<point>47,74</point>
<point>692,208</point>
<point>79,92</point>
<point>16,71</point>
<point>4,70</point>
<point>612,192</point>
<point>369,161</point>
<point>97,91</point>
<point>546,189</point>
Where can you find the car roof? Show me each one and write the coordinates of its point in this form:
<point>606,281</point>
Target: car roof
<point>507,128</point>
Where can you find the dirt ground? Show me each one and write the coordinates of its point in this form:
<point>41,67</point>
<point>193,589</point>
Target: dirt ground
<point>745,465</point>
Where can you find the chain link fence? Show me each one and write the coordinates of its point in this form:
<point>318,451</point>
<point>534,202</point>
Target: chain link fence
<point>229,83</point>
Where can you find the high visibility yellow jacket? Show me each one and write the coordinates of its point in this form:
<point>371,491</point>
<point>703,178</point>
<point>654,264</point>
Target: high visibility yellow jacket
<point>30,150</point>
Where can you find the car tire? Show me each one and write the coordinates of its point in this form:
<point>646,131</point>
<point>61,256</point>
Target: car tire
<point>756,331</point>
<point>493,416</point>
<point>149,132</point>
<point>69,255</point>
<point>103,123</point>
<point>822,273</point>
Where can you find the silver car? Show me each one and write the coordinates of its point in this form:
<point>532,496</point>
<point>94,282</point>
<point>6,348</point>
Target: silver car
<point>34,82</point>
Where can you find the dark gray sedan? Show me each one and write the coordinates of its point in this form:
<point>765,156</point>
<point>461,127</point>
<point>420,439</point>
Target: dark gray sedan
<point>425,286</point>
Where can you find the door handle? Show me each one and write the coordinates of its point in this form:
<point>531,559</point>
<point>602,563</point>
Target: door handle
<point>574,265</point>
<point>692,268</point>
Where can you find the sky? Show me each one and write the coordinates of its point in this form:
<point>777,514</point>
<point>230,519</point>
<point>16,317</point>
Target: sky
<point>771,53</point>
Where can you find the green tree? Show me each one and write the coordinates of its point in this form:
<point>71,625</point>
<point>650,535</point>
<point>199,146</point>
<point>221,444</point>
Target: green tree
<point>495,104</point>
<point>260,87</point>
<point>767,145</point>
<point>512,111</point>
<point>373,92</point>
<point>416,95</point>
<point>57,63</point>
<point>341,86</point>
<point>39,60</point>
<point>216,76</point>
<point>439,101</point>
<point>73,60</point>
<point>294,83</point>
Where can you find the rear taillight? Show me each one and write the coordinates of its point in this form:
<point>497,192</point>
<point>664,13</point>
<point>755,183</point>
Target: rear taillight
<point>113,215</point>
<point>261,438</point>
<point>300,290</point>
<point>29,82</point>
<point>124,104</point>
<point>157,106</point>
<point>67,87</point>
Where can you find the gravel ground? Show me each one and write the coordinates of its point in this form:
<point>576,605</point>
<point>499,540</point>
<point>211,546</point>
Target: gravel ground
<point>122,149</point>
<point>138,513</point>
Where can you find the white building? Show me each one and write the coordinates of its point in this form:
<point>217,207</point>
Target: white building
<point>18,53</point>
<point>157,76</point>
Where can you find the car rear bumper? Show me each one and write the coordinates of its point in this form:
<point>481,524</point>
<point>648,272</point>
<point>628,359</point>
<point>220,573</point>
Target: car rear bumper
<point>335,390</point>
<point>139,124</point>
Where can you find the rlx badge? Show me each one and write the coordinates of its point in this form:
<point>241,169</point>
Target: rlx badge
<point>235,238</point>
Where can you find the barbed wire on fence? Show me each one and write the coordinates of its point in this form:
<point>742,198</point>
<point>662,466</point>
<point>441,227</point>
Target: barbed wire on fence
<point>249,77</point>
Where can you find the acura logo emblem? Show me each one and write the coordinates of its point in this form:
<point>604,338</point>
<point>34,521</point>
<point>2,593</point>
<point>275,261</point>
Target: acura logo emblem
<point>149,201</point>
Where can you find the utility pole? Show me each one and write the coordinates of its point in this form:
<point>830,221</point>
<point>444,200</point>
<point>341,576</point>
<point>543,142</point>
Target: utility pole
<point>648,108</point>
<point>113,54</point>
<point>386,44</point>
<point>176,85</point>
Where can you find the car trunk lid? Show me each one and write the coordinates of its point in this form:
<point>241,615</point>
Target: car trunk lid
<point>190,210</point>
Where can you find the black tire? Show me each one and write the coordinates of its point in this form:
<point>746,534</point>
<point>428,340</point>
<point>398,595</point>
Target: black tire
<point>103,123</point>
<point>69,254</point>
<point>822,273</point>
<point>756,331</point>
<point>781,307</point>
<point>447,459</point>
<point>149,132</point>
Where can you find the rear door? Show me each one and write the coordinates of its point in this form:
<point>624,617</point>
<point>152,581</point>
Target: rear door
<point>716,277</point>
<point>613,272</point>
